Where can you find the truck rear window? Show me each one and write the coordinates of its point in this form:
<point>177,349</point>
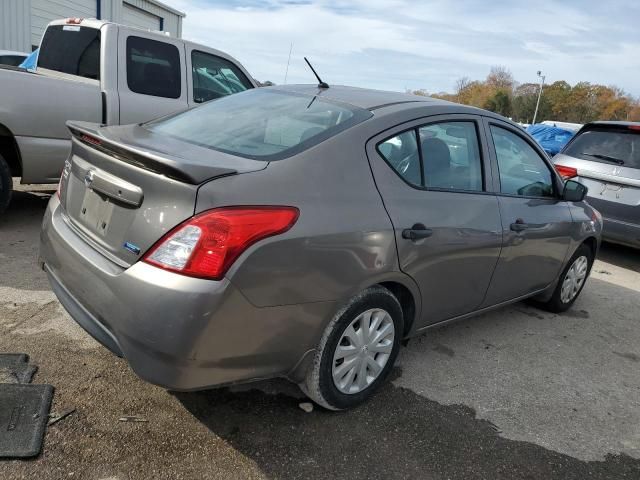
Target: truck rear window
<point>71,49</point>
<point>262,124</point>
<point>617,145</point>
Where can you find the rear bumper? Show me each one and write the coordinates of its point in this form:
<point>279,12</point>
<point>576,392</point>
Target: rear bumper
<point>621,232</point>
<point>178,332</point>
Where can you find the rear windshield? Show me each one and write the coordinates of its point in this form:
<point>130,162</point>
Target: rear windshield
<point>71,49</point>
<point>619,146</point>
<point>262,124</point>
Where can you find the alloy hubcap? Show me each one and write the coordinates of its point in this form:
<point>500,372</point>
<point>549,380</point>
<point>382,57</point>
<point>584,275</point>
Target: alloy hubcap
<point>363,351</point>
<point>574,279</point>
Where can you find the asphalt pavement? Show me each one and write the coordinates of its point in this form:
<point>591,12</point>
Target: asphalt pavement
<point>516,394</point>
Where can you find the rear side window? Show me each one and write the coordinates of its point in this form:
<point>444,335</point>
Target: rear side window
<point>447,156</point>
<point>522,171</point>
<point>71,49</point>
<point>153,68</point>
<point>262,124</point>
<point>215,77</point>
<point>619,146</point>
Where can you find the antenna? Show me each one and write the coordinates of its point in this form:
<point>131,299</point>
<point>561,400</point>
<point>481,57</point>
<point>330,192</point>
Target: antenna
<point>321,84</point>
<point>286,72</point>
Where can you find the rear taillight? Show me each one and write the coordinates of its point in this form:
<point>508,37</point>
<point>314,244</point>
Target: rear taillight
<point>566,172</point>
<point>634,127</point>
<point>206,245</point>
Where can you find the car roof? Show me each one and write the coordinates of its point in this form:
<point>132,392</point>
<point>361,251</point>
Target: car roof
<point>613,123</point>
<point>366,98</point>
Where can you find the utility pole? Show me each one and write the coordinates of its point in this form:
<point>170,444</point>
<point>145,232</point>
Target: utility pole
<point>288,61</point>
<point>535,114</point>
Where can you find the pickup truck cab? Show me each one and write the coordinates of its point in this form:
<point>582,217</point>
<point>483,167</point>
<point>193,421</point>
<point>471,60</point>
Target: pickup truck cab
<point>102,72</point>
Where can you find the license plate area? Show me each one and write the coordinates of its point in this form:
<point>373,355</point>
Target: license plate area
<point>96,212</point>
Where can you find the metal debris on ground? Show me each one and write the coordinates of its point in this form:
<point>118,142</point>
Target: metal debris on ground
<point>56,417</point>
<point>133,418</point>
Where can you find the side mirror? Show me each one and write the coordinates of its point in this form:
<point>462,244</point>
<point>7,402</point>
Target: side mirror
<point>574,191</point>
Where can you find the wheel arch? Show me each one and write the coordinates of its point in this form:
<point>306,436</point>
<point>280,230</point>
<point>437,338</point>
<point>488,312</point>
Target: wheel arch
<point>10,151</point>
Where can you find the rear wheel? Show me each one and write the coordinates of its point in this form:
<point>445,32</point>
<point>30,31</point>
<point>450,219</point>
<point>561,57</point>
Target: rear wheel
<point>571,281</point>
<point>357,350</point>
<point>6,184</point>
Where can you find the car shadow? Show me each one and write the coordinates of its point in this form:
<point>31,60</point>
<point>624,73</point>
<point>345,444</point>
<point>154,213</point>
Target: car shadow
<point>402,434</point>
<point>620,255</point>
<point>19,240</point>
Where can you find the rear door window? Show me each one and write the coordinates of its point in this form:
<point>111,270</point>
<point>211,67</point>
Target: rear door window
<point>153,68</point>
<point>71,49</point>
<point>615,146</point>
<point>215,77</point>
<point>523,172</point>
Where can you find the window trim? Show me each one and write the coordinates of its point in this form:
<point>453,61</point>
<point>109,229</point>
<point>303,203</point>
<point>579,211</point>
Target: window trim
<point>416,129</point>
<point>557,191</point>
<point>202,52</point>
<point>127,53</point>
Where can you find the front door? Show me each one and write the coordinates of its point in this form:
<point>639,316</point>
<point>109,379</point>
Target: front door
<point>433,176</point>
<point>536,223</point>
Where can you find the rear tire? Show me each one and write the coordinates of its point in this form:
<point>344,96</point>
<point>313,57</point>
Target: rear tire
<point>6,184</point>
<point>357,350</point>
<point>571,282</point>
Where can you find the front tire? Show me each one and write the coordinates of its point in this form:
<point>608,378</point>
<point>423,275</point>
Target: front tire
<point>572,281</point>
<point>6,184</point>
<point>357,350</point>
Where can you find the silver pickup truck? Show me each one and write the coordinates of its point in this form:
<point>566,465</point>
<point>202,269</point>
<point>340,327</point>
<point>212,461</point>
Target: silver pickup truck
<point>101,72</point>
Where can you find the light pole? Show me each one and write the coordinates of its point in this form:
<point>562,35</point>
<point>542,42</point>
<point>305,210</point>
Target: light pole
<point>535,114</point>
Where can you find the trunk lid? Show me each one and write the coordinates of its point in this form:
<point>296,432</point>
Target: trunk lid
<point>124,187</point>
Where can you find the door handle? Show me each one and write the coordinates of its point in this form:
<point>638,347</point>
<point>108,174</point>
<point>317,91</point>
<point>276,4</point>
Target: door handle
<point>519,225</point>
<point>417,232</point>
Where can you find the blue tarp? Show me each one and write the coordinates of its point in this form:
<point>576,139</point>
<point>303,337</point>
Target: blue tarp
<point>31,62</point>
<point>551,139</point>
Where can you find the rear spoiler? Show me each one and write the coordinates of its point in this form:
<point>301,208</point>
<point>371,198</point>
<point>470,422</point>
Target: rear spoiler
<point>90,135</point>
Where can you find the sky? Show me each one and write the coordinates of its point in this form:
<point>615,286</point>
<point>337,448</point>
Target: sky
<point>423,44</point>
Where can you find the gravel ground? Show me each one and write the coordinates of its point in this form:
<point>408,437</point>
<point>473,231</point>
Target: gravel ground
<point>517,393</point>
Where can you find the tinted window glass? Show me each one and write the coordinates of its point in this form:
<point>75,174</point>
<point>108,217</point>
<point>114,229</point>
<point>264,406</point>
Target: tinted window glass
<point>12,60</point>
<point>215,77</point>
<point>264,124</point>
<point>153,68</point>
<point>614,146</point>
<point>451,156</point>
<point>522,170</point>
<point>71,49</point>
<point>401,153</point>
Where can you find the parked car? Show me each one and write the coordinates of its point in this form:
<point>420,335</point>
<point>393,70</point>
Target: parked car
<point>605,157</point>
<point>98,71</point>
<point>305,232</point>
<point>7,57</point>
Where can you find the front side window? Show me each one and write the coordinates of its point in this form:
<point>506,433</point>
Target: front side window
<point>448,156</point>
<point>71,49</point>
<point>215,77</point>
<point>153,68</point>
<point>262,124</point>
<point>522,171</point>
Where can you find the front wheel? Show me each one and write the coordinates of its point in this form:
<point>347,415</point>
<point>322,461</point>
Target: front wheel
<point>357,350</point>
<point>572,281</point>
<point>6,184</point>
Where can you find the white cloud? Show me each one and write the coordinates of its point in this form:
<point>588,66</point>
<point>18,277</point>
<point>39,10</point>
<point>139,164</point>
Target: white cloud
<point>396,44</point>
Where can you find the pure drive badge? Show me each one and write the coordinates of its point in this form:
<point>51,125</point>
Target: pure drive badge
<point>132,248</point>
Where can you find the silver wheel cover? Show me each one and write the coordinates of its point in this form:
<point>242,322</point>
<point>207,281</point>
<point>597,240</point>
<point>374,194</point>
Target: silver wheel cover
<point>363,351</point>
<point>574,279</point>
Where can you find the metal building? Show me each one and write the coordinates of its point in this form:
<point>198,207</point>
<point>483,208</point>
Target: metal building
<point>22,22</point>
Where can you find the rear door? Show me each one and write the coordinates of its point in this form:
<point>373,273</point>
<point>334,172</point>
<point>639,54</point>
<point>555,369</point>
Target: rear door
<point>536,223</point>
<point>607,159</point>
<point>151,76</point>
<point>433,176</point>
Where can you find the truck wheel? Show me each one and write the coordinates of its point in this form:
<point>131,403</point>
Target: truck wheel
<point>572,281</point>
<point>357,350</point>
<point>6,184</point>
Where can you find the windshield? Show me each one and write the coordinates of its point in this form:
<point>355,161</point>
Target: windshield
<point>619,146</point>
<point>262,124</point>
